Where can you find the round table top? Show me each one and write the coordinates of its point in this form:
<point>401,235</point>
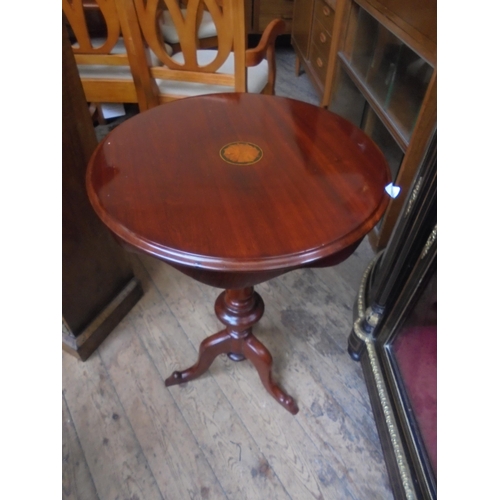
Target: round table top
<point>238,182</point>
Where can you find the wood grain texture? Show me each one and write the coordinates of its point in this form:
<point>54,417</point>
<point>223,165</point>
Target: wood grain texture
<point>116,462</point>
<point>151,411</point>
<point>342,406</point>
<point>77,483</point>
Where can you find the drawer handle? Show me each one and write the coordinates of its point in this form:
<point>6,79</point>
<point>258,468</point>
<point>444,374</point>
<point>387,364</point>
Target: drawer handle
<point>322,37</point>
<point>286,18</point>
<point>326,10</point>
<point>319,62</point>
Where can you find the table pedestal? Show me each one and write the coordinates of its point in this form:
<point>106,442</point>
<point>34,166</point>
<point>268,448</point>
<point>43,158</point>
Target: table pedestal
<point>239,310</point>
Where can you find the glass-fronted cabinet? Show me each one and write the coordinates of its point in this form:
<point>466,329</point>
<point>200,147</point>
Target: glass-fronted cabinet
<point>389,70</point>
<point>385,83</point>
<point>395,338</point>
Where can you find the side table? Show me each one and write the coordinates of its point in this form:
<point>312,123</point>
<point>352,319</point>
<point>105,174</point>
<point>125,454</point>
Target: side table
<point>236,189</point>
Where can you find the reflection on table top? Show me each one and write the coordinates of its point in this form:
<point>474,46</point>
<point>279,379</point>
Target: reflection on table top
<point>238,182</point>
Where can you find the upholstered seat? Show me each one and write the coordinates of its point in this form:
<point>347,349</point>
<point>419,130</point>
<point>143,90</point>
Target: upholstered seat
<point>113,72</point>
<point>257,76</point>
<point>206,28</point>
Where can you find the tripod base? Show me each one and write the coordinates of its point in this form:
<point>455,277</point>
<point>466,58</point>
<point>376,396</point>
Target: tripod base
<point>239,310</point>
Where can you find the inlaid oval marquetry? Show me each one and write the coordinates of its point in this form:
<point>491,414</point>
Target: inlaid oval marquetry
<point>241,153</point>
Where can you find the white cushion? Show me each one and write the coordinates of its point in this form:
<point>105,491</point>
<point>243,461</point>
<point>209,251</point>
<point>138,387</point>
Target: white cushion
<point>113,72</point>
<point>256,77</point>
<point>206,29</point>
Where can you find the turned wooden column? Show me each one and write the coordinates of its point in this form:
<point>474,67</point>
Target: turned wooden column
<point>98,284</point>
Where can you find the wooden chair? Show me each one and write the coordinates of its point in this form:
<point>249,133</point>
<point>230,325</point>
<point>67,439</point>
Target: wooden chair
<point>113,67</point>
<point>231,67</point>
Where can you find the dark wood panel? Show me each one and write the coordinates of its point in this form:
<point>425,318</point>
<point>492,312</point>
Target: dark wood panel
<point>302,21</point>
<point>421,15</point>
<point>94,268</point>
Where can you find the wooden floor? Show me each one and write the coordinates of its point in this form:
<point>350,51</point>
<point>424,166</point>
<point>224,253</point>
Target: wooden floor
<point>126,436</point>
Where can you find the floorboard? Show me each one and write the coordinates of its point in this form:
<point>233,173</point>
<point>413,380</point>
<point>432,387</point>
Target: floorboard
<point>77,483</point>
<point>115,458</point>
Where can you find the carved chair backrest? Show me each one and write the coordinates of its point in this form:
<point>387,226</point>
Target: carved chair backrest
<point>229,19</point>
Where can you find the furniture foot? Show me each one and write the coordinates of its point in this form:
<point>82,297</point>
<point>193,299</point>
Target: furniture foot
<point>261,358</point>
<point>238,310</point>
<point>210,348</point>
<point>297,66</point>
<point>355,346</point>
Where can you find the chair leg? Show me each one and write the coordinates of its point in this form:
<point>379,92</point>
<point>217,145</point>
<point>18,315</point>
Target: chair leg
<point>95,110</point>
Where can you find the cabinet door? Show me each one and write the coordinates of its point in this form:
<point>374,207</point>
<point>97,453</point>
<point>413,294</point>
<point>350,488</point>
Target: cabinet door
<point>395,338</point>
<point>301,26</point>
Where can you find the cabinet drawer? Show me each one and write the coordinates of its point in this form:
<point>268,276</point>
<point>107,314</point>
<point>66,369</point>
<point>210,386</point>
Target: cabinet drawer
<point>319,62</point>
<point>321,38</point>
<point>275,9</point>
<point>324,14</point>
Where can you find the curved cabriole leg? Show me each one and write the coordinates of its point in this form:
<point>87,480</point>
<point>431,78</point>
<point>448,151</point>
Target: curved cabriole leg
<point>238,310</point>
<point>210,348</point>
<point>261,358</point>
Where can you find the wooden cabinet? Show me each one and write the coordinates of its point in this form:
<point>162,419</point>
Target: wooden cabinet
<point>384,81</point>
<point>313,28</point>
<point>264,11</point>
<point>301,27</point>
<point>98,283</point>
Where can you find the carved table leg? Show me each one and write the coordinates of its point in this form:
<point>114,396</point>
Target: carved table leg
<point>239,310</point>
<point>261,358</point>
<point>210,348</point>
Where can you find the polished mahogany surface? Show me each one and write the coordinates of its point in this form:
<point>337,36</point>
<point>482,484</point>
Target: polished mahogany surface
<point>299,185</point>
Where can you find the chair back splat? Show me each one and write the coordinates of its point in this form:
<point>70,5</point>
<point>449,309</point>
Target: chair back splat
<point>228,67</point>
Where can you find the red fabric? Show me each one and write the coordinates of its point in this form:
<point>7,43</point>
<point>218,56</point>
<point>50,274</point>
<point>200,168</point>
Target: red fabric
<point>415,349</point>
